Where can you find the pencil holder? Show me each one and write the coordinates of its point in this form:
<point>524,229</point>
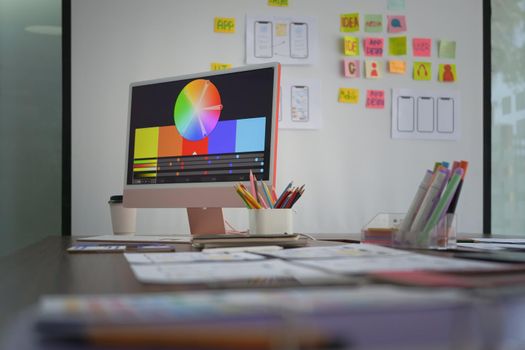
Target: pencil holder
<point>441,236</point>
<point>270,221</point>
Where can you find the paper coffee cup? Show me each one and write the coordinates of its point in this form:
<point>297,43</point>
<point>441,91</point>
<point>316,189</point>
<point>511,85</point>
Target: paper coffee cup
<point>123,220</point>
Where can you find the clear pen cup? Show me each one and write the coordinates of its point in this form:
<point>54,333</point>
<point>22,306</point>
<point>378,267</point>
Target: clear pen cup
<point>383,229</point>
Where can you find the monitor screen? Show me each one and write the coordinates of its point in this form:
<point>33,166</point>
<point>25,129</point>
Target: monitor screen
<point>191,138</point>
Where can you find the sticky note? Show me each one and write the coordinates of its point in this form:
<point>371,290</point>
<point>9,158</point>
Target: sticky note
<point>447,49</point>
<point>397,45</point>
<point>281,29</point>
<point>281,3</point>
<point>396,24</point>
<point>396,5</point>
<point>348,95</point>
<point>351,46</point>
<point>372,69</point>
<point>422,70</point>
<point>224,25</point>
<point>447,73</point>
<point>373,46</point>
<point>397,67</point>
<point>375,99</point>
<point>220,66</point>
<point>352,68</point>
<point>350,22</point>
<point>422,47</point>
<point>373,23</point>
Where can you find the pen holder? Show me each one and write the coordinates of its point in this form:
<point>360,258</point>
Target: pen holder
<point>270,221</point>
<point>441,236</point>
<point>383,229</point>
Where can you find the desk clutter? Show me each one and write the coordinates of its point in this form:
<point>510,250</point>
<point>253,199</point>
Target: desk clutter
<point>303,266</point>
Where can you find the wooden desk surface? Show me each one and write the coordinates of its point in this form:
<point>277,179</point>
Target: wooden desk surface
<point>46,267</point>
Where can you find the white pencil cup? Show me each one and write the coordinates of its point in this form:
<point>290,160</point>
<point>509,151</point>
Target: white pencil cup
<point>123,220</point>
<point>270,221</point>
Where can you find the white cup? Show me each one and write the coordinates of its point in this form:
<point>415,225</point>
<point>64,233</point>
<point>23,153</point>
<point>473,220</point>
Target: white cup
<point>270,221</point>
<point>123,219</point>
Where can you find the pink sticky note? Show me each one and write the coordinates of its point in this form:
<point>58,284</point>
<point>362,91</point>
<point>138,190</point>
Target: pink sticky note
<point>422,47</point>
<point>374,46</point>
<point>396,24</point>
<point>352,68</point>
<point>375,99</point>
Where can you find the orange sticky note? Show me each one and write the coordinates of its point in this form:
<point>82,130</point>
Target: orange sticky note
<point>397,67</point>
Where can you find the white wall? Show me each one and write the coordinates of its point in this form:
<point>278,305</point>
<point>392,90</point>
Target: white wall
<point>352,168</point>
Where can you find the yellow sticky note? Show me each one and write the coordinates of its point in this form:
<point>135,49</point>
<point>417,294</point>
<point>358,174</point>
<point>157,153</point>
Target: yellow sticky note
<point>281,3</point>
<point>351,44</point>
<point>447,73</point>
<point>422,70</point>
<point>220,66</point>
<point>397,67</point>
<point>348,95</point>
<point>281,29</point>
<point>350,22</point>
<point>224,25</point>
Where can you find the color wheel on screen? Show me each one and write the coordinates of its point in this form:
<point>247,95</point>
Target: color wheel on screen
<point>197,109</point>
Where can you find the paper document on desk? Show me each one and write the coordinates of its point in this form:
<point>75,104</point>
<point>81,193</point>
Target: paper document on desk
<point>136,239</point>
<point>407,262</point>
<point>215,272</point>
<point>337,251</point>
<point>186,257</point>
<point>500,240</point>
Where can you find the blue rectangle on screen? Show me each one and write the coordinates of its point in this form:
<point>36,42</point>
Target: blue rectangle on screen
<point>250,134</point>
<point>222,139</point>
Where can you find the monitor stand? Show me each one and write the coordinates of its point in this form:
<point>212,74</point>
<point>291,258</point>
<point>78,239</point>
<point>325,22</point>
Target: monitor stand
<point>206,221</point>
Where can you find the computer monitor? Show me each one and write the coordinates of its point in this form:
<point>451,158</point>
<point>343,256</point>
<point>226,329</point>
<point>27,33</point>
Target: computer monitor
<point>191,138</point>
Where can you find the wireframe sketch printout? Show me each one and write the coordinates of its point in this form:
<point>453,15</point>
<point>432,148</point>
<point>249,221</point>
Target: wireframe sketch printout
<point>431,115</point>
<point>300,103</point>
<point>288,40</point>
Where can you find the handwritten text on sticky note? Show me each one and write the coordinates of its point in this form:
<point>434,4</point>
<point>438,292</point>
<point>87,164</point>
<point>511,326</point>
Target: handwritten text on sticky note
<point>373,23</point>
<point>351,45</point>
<point>375,99</point>
<point>374,46</point>
<point>224,25</point>
<point>281,3</point>
<point>397,67</point>
<point>422,47</point>
<point>348,95</point>
<point>350,22</point>
<point>352,68</point>
<point>220,66</point>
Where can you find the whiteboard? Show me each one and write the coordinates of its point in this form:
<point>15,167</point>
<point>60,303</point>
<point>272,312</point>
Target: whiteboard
<point>352,168</point>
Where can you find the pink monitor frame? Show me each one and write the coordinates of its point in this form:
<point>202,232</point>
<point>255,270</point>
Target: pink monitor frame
<point>204,200</point>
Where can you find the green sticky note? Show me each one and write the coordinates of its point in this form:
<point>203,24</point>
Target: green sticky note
<point>397,45</point>
<point>447,49</point>
<point>396,5</point>
<point>373,23</point>
<point>422,70</point>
